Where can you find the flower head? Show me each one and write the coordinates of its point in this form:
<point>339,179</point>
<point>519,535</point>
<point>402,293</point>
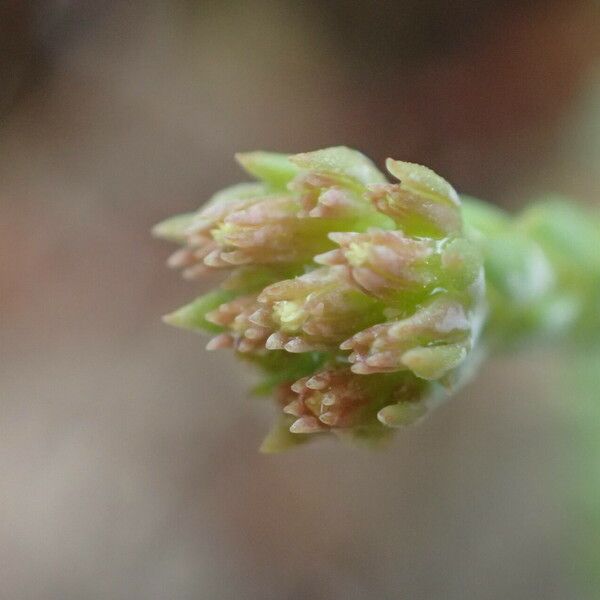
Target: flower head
<point>359,299</point>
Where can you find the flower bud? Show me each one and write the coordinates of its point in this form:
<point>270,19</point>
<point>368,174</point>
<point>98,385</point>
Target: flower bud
<point>241,332</point>
<point>338,400</point>
<point>329,399</point>
<point>315,311</point>
<point>386,264</point>
<point>432,341</point>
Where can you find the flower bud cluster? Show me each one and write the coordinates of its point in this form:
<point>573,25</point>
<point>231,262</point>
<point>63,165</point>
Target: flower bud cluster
<point>358,298</point>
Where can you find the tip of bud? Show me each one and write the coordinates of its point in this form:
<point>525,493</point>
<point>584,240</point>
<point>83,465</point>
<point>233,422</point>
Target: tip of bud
<point>219,342</point>
<point>275,341</point>
<point>294,408</point>
<point>306,425</point>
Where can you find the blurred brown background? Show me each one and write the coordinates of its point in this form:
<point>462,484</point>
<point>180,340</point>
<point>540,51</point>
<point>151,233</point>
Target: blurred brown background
<point>128,463</point>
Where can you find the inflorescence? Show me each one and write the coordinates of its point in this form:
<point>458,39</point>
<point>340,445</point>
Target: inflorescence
<point>359,299</point>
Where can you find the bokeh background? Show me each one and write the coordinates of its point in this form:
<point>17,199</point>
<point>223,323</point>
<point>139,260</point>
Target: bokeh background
<point>128,462</point>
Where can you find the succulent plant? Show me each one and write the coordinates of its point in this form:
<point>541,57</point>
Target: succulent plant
<point>365,302</point>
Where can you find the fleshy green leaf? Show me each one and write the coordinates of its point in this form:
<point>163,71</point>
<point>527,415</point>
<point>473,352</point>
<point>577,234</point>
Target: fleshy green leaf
<point>566,231</point>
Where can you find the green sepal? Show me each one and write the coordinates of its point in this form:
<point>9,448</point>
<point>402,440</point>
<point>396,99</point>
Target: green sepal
<point>432,362</point>
<point>422,181</point>
<point>271,167</point>
<point>341,161</point>
<point>174,228</point>
<point>193,316</point>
